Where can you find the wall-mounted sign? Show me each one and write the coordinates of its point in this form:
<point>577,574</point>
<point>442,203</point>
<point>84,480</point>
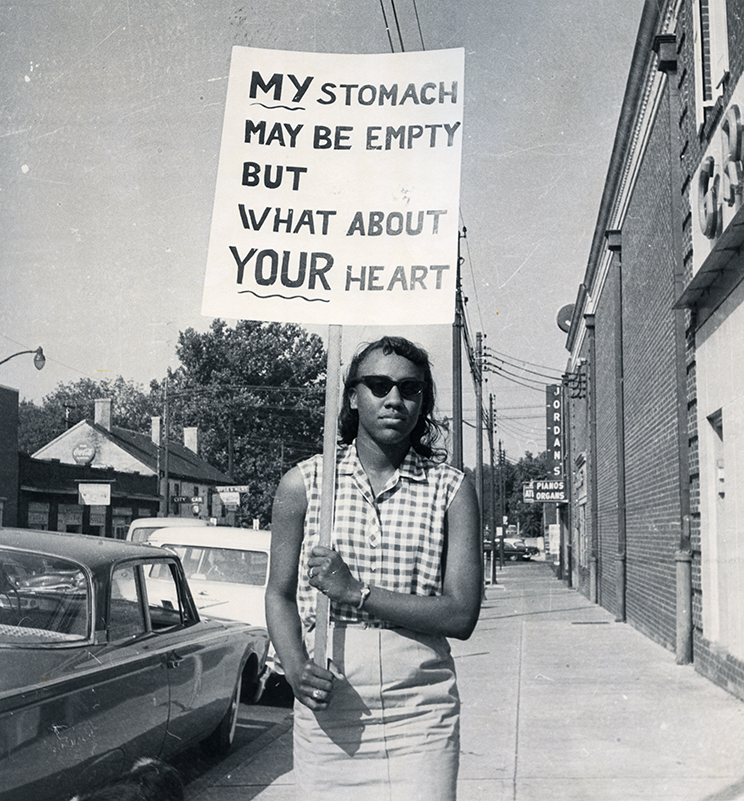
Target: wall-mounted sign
<point>528,492</point>
<point>550,490</point>
<point>718,186</point>
<point>230,499</point>
<point>84,453</point>
<point>94,494</point>
<point>187,499</point>
<point>554,428</point>
<point>240,488</point>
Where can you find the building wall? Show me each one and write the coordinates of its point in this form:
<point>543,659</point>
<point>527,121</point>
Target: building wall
<point>683,387</point>
<point>607,366</point>
<point>8,456</point>
<point>48,498</point>
<point>651,432</point>
<point>577,546</point>
<point>714,356</point>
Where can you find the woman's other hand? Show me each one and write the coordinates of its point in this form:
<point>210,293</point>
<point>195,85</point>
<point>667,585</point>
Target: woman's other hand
<point>313,687</point>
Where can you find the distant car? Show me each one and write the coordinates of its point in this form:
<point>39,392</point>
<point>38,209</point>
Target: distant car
<point>227,570</point>
<point>141,529</point>
<point>532,550</point>
<point>515,550</point>
<point>105,659</point>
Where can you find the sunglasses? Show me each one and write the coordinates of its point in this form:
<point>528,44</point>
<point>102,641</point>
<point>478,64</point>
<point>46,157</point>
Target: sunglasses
<point>380,386</point>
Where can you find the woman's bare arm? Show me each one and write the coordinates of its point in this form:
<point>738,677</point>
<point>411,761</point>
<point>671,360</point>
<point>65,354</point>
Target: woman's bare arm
<point>282,617</point>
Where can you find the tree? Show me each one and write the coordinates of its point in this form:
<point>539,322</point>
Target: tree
<point>527,515</point>
<point>256,394</point>
<point>70,403</point>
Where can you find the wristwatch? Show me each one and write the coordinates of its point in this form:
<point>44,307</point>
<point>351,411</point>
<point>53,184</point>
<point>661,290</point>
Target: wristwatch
<point>364,594</point>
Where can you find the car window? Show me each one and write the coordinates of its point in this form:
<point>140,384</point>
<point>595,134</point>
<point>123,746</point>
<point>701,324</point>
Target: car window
<point>163,600</point>
<point>223,564</point>
<point>42,600</point>
<point>143,534</point>
<point>150,604</point>
<point>126,612</point>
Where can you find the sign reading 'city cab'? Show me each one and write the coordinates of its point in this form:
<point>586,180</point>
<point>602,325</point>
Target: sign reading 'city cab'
<point>337,188</point>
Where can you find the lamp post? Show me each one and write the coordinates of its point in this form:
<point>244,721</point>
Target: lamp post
<point>39,358</point>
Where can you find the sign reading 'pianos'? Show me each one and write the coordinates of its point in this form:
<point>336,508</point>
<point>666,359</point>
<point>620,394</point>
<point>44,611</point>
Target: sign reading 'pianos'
<point>337,188</point>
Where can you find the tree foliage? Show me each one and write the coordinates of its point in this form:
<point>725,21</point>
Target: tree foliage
<point>255,392</point>
<point>528,516</point>
<point>70,403</point>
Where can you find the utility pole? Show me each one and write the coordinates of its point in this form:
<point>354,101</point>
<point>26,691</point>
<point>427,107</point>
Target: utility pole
<point>491,427</point>
<point>502,503</point>
<point>478,377</point>
<point>457,327</point>
<point>166,453</point>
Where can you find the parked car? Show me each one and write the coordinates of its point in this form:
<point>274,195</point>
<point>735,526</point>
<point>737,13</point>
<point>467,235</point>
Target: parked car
<point>227,570</point>
<point>106,659</point>
<point>141,529</point>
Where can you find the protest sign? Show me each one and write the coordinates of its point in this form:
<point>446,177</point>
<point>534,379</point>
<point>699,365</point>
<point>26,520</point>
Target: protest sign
<point>337,191</point>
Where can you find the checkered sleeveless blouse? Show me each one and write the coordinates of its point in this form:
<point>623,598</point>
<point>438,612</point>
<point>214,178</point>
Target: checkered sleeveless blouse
<point>394,541</point>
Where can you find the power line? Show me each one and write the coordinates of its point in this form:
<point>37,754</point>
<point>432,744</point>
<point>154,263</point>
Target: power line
<point>515,379</point>
<point>525,369</point>
<point>397,26</point>
<point>418,23</point>
<point>507,357</point>
<point>387,26</point>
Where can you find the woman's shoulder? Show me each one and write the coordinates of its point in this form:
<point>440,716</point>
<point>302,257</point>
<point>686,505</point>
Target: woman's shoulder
<point>443,474</point>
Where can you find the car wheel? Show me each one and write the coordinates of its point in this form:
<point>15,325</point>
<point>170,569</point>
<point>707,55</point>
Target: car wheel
<point>251,683</point>
<point>513,558</point>
<point>221,739</point>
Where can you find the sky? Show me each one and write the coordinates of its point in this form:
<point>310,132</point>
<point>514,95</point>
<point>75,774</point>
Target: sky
<point>110,134</point>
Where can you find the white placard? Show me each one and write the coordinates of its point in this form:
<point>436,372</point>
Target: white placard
<point>337,194</point>
<point>94,494</point>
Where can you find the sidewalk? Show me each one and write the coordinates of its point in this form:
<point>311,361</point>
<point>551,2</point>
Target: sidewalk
<point>560,703</point>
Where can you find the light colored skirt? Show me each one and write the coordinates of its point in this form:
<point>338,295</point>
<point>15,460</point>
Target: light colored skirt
<point>392,730</point>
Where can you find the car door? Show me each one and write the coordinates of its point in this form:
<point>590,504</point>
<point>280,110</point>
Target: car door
<point>203,659</point>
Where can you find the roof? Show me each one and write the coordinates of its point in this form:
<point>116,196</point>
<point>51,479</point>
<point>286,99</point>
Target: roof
<point>245,539</point>
<point>181,461</point>
<point>83,548</point>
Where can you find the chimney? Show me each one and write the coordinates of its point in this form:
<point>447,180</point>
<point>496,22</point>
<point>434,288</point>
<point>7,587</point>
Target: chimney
<point>103,413</point>
<point>191,438</point>
<point>155,430</point>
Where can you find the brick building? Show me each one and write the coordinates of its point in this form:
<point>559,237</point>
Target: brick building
<point>655,402</point>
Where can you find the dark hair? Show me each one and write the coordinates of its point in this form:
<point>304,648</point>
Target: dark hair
<point>427,430</point>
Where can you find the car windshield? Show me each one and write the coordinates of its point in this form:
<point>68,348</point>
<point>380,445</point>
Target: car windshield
<point>43,599</point>
<point>223,564</point>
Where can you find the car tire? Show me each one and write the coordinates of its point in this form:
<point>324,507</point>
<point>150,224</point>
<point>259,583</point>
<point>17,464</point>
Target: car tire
<point>252,686</point>
<point>219,742</point>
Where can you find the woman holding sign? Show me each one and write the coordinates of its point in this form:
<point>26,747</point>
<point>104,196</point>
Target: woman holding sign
<point>404,573</point>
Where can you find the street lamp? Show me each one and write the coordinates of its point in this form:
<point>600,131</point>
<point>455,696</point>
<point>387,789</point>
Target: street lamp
<point>39,358</point>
